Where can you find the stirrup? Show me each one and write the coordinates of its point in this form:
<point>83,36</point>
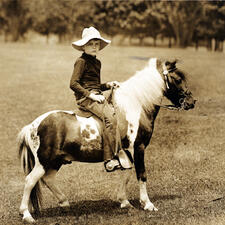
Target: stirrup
<point>112,165</point>
<point>124,159</point>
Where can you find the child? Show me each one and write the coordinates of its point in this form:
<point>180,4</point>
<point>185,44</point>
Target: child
<point>87,87</point>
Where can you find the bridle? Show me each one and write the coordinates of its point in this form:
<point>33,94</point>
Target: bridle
<point>165,73</point>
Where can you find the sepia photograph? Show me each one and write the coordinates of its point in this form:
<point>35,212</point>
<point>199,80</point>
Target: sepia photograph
<point>112,112</point>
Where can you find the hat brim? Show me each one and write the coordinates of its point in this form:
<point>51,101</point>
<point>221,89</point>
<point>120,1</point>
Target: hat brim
<point>79,44</point>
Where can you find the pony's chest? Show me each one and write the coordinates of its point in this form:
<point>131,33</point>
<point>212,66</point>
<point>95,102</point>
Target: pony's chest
<point>90,135</point>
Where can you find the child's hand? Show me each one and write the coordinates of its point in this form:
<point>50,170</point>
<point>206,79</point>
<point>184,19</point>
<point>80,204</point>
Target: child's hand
<point>97,98</point>
<point>115,84</point>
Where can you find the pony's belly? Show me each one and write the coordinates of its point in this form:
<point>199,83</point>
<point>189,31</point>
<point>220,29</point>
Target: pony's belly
<point>86,155</point>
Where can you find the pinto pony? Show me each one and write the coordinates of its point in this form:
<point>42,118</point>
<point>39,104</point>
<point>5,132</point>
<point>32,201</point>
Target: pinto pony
<point>60,137</point>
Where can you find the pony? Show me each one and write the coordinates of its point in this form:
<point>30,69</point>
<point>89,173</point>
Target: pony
<point>59,137</point>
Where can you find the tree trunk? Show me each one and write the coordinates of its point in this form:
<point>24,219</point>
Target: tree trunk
<point>47,38</point>
<point>222,44</point>
<point>216,48</point>
<point>154,41</point>
<point>60,38</point>
<point>130,40</point>
<point>6,36</point>
<point>170,43</point>
<point>220,47</point>
<point>196,44</point>
<point>15,34</point>
<point>141,41</point>
<point>14,28</point>
<point>209,44</point>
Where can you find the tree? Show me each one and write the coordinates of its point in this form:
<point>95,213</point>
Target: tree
<point>105,16</point>
<point>212,24</point>
<point>183,17</point>
<point>55,17</point>
<point>15,18</point>
<point>134,18</point>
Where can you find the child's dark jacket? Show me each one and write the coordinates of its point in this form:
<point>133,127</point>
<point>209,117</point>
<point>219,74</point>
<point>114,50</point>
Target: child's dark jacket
<point>86,77</point>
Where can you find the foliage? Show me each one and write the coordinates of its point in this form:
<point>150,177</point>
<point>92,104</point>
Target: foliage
<point>54,17</point>
<point>15,18</point>
<point>182,16</point>
<point>184,21</point>
<point>212,24</point>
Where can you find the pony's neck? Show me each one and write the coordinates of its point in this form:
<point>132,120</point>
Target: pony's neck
<point>142,90</point>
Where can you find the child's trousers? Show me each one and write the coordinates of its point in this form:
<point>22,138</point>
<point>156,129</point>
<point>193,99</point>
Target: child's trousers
<point>106,114</point>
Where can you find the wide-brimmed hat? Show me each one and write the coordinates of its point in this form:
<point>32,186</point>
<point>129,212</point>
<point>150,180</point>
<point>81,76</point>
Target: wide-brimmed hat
<point>87,35</point>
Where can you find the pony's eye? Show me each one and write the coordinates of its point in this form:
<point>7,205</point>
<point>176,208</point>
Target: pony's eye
<point>178,81</point>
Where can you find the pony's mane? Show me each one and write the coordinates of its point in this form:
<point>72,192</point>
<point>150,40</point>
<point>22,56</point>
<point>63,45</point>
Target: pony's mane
<point>142,90</point>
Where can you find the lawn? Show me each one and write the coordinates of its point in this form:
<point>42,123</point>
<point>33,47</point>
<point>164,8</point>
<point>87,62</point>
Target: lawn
<point>185,161</point>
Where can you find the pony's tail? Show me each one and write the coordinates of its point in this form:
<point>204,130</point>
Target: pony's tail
<point>27,163</point>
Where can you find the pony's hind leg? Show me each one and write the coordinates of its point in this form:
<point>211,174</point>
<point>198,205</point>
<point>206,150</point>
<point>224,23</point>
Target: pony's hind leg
<point>49,181</point>
<point>30,181</point>
<point>121,195</point>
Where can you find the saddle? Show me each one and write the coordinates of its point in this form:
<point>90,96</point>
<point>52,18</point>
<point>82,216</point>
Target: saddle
<point>80,111</point>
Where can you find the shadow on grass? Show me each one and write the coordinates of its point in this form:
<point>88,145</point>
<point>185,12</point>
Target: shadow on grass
<point>136,203</point>
<point>86,207</point>
<point>165,197</point>
<point>104,207</point>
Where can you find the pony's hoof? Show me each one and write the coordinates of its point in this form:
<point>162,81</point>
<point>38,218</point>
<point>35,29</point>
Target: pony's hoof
<point>64,204</point>
<point>150,207</point>
<point>125,205</point>
<point>29,219</point>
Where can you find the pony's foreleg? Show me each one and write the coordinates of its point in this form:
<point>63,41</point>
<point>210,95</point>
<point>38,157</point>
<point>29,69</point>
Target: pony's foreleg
<point>132,131</point>
<point>142,178</point>
<point>30,181</point>
<point>121,195</point>
<point>144,199</point>
<point>49,181</point>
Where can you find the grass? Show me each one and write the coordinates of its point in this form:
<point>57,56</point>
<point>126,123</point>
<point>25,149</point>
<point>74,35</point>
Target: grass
<point>185,161</point>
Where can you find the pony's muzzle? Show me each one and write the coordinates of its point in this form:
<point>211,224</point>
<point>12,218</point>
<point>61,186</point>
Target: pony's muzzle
<point>190,104</point>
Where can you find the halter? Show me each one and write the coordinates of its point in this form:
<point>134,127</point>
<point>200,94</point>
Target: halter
<point>165,73</point>
<point>170,107</point>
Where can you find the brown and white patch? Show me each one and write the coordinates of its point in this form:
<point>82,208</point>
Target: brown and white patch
<point>90,135</point>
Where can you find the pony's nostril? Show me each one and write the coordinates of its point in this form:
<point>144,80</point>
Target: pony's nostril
<point>181,101</point>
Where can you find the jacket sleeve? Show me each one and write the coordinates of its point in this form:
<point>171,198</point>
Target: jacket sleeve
<point>78,70</point>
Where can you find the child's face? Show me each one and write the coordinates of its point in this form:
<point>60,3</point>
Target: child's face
<point>92,47</point>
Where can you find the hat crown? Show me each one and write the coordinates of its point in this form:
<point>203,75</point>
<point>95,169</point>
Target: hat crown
<point>91,32</point>
<point>87,35</point>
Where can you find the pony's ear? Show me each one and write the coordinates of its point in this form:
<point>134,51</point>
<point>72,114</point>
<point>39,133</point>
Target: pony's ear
<point>171,65</point>
<point>174,62</point>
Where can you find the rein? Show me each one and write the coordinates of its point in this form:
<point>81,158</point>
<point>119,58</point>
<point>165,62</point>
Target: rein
<point>172,107</point>
<point>118,137</point>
